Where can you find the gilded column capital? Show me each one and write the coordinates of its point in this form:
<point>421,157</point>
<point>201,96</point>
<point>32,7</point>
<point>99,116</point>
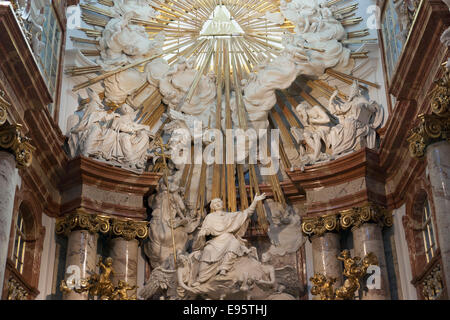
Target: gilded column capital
<point>4,105</point>
<point>84,221</point>
<point>433,127</point>
<point>129,229</point>
<point>370,213</point>
<point>319,225</point>
<point>11,139</point>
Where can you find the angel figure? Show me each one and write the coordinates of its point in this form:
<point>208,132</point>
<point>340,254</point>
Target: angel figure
<point>86,137</point>
<point>358,120</point>
<point>350,264</point>
<point>122,291</point>
<point>316,124</point>
<point>106,270</point>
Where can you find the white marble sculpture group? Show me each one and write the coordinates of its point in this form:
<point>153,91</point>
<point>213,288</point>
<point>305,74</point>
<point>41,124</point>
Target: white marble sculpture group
<point>344,127</point>
<point>223,266</point>
<point>212,259</point>
<point>109,136</point>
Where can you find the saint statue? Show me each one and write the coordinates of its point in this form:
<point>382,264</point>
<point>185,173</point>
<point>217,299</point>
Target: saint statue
<point>316,124</point>
<point>220,251</point>
<point>358,120</point>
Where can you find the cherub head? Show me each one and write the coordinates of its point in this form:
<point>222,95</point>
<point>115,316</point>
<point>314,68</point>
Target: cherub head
<point>345,254</point>
<point>109,262</point>
<point>302,109</point>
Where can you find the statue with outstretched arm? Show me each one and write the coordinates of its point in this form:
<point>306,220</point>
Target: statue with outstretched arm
<point>225,246</point>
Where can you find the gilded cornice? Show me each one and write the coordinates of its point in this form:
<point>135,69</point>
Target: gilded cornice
<point>129,229</point>
<point>354,217</point>
<point>12,140</point>
<point>433,127</point>
<point>80,220</point>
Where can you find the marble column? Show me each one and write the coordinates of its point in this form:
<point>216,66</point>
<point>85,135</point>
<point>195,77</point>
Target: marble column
<point>125,260</point>
<point>325,249</point>
<point>438,166</point>
<point>81,252</point>
<point>368,238</point>
<point>8,181</point>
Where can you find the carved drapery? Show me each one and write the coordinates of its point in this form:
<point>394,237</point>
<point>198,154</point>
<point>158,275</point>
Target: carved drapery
<point>354,217</point>
<point>433,127</point>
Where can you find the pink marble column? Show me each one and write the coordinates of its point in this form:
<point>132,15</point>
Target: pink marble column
<point>8,181</point>
<point>368,238</point>
<point>325,250</point>
<point>438,165</point>
<point>81,252</point>
<point>125,260</point>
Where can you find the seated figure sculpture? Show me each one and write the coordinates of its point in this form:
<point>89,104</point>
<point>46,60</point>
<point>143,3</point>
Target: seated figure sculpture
<point>359,119</point>
<point>219,253</point>
<point>316,124</point>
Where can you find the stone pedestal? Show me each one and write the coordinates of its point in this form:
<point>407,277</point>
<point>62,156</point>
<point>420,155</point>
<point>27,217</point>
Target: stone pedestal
<point>81,252</point>
<point>125,260</point>
<point>7,191</point>
<point>368,238</point>
<point>438,165</point>
<point>325,250</point>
